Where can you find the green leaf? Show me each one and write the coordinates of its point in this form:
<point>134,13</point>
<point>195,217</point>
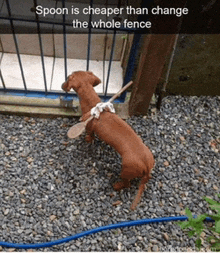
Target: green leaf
<point>210,201</point>
<point>198,243</point>
<point>213,204</point>
<point>183,224</point>
<point>191,233</point>
<point>214,217</point>
<point>216,246</point>
<point>217,226</point>
<point>197,224</point>
<point>188,213</point>
<point>215,207</point>
<point>201,218</point>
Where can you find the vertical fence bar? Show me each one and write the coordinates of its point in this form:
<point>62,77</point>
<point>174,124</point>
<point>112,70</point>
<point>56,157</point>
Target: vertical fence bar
<point>16,44</point>
<point>89,38</point>
<point>104,53</point>
<point>64,41</point>
<point>3,83</point>
<point>1,77</point>
<point>41,48</point>
<point>104,59</point>
<point>111,54</point>
<point>110,62</point>
<point>54,50</point>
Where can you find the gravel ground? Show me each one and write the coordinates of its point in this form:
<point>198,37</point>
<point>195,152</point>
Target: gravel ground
<point>52,187</point>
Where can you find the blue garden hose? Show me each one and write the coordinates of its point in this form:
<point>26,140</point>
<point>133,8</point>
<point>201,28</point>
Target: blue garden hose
<point>93,231</point>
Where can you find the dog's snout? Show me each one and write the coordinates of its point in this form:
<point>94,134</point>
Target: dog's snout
<point>63,86</point>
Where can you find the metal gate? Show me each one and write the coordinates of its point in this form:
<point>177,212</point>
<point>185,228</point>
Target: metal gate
<point>15,24</point>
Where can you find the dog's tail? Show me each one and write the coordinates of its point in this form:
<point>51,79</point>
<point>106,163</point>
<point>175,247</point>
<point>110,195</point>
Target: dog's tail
<point>141,188</point>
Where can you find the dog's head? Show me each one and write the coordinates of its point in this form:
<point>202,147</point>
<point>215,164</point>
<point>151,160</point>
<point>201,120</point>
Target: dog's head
<point>80,78</point>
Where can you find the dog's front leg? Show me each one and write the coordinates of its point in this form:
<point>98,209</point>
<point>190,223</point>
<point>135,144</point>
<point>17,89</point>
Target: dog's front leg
<point>89,132</point>
<point>90,136</point>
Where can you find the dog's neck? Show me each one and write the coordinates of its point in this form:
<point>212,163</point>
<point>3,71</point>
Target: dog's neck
<point>88,98</point>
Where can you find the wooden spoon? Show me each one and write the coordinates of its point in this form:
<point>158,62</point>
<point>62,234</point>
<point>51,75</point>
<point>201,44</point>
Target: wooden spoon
<point>79,128</point>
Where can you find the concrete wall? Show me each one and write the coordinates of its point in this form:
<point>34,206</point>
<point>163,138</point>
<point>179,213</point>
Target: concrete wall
<point>53,45</point>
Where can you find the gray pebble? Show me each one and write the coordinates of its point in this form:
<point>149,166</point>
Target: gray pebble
<point>155,248</point>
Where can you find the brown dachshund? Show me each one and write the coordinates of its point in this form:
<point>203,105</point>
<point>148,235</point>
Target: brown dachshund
<point>137,159</point>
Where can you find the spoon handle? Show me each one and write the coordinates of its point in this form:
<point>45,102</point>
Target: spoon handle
<point>119,92</point>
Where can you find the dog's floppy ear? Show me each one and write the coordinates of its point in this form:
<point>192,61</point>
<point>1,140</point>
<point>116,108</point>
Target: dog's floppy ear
<point>95,80</point>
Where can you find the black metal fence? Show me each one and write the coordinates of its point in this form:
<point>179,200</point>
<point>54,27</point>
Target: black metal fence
<point>14,24</point>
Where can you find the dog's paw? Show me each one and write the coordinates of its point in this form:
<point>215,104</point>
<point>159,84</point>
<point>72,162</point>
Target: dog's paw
<point>89,138</point>
<point>121,185</point>
<point>117,186</point>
